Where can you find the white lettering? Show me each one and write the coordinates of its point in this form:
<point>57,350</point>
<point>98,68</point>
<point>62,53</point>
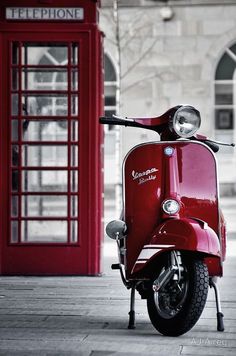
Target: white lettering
<point>14,11</point>
<point>70,13</point>
<point>61,14</point>
<point>145,180</point>
<point>209,342</point>
<point>21,13</point>
<point>41,13</point>
<point>137,175</point>
<point>78,13</point>
<point>35,13</point>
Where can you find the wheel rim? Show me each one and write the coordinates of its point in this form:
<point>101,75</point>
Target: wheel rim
<point>170,299</point>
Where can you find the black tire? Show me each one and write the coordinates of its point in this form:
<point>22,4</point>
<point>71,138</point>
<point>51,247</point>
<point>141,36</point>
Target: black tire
<point>188,312</point>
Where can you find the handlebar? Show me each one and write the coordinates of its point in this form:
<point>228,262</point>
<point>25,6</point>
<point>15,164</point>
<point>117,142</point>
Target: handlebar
<point>214,145</point>
<point>114,120</point>
<point>215,148</point>
<point>158,124</point>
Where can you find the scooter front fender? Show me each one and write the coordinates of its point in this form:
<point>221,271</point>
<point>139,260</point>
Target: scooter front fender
<point>185,235</point>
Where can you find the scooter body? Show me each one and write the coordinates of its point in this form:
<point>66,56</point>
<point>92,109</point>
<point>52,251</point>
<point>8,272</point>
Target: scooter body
<point>182,170</point>
<point>172,235</point>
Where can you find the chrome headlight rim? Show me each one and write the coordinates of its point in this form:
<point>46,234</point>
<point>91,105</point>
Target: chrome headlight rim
<point>175,121</point>
<point>175,210</point>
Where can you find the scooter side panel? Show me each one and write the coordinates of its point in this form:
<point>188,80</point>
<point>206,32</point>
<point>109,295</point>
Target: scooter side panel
<point>146,177</point>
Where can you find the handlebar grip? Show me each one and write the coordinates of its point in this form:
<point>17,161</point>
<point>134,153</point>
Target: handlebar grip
<point>106,120</point>
<point>113,121</point>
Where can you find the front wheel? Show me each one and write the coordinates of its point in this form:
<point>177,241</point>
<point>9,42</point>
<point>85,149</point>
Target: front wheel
<point>177,306</point>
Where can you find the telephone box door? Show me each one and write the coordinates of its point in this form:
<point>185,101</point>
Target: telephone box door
<point>45,154</point>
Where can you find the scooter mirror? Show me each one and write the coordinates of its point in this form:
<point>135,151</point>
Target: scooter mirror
<point>116,229</point>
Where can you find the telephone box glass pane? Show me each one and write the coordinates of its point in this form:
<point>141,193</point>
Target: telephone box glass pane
<point>74,130</point>
<point>15,53</point>
<point>74,79</point>
<point>45,130</point>
<point>44,54</point>
<point>74,231</point>
<point>14,206</point>
<point>74,206</point>
<point>45,181</point>
<point>14,79</point>
<point>44,205</point>
<point>15,155</point>
<point>74,156</point>
<point>14,130</point>
<point>74,105</point>
<point>44,156</point>
<point>44,79</point>
<point>44,231</point>
<point>74,54</point>
<point>15,181</point>
<point>74,181</point>
<point>14,104</point>
<point>45,105</point>
<point>14,231</point>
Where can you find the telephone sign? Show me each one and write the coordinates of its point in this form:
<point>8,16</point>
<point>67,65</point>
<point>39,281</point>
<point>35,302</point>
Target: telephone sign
<point>44,13</point>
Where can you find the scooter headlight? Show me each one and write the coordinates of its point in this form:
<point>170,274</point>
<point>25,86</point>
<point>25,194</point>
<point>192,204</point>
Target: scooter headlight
<point>186,121</point>
<point>171,206</point>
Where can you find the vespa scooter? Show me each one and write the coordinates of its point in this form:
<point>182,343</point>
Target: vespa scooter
<point>171,236</point>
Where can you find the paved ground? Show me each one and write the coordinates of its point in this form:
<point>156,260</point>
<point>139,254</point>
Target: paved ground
<point>88,316</point>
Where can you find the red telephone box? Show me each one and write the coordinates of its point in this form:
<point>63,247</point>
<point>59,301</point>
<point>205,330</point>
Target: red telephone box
<point>50,140</point>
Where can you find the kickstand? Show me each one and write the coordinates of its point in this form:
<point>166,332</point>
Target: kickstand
<point>132,310</point>
<point>219,314</point>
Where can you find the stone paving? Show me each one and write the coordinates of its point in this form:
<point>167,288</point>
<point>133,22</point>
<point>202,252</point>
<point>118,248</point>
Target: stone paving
<point>87,316</point>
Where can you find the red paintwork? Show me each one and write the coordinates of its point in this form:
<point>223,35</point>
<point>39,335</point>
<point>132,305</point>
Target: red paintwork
<point>82,258</point>
<point>156,121</point>
<point>187,235</point>
<point>189,176</point>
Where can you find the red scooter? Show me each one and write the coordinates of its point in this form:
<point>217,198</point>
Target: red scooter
<point>171,236</point>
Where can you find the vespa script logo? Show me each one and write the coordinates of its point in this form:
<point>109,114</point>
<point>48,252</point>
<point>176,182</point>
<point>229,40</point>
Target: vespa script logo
<point>145,176</point>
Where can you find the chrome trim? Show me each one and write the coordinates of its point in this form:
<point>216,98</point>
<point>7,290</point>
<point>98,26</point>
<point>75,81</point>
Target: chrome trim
<point>158,246</point>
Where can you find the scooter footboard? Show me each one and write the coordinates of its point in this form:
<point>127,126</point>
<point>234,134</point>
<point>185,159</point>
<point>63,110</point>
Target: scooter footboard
<point>183,235</point>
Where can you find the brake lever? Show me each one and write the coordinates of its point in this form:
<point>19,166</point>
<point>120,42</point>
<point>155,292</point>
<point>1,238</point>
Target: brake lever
<point>222,143</point>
